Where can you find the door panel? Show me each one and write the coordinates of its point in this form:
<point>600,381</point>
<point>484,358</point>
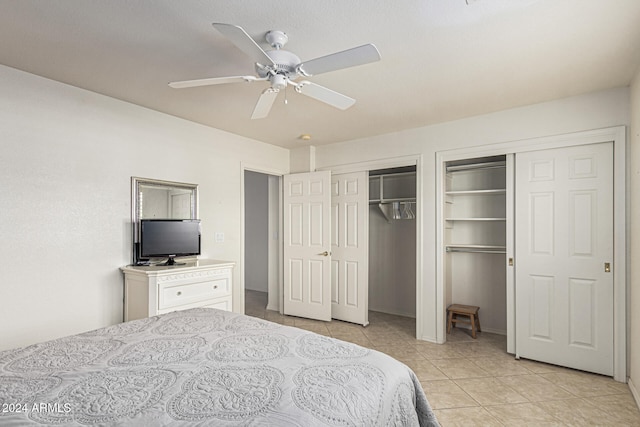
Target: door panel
<point>307,272</point>
<point>582,313</point>
<point>542,289</point>
<point>541,217</point>
<point>564,237</point>
<point>350,247</point>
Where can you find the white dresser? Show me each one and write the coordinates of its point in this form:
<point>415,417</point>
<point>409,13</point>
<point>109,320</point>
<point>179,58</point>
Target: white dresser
<point>152,290</point>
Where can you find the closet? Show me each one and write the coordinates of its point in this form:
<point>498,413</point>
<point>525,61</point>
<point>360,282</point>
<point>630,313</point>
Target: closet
<point>529,238</point>
<point>392,241</point>
<point>475,237</point>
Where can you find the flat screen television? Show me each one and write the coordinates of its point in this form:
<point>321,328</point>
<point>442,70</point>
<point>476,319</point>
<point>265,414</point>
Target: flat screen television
<point>169,238</point>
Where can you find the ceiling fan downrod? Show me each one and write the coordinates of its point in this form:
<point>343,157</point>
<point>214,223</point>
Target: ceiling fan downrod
<point>276,39</point>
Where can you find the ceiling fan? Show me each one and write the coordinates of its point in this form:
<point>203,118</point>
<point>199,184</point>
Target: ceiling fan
<point>282,68</point>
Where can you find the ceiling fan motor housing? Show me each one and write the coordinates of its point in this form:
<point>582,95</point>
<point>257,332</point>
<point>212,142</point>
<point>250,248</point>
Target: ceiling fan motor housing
<point>285,64</point>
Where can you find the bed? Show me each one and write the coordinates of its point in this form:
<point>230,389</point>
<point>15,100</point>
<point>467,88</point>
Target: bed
<point>207,367</point>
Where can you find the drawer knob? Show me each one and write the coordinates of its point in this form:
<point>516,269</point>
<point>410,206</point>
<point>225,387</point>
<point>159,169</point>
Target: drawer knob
<point>215,286</point>
<point>179,293</point>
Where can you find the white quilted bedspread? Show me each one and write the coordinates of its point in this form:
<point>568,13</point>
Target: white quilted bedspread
<point>207,367</point>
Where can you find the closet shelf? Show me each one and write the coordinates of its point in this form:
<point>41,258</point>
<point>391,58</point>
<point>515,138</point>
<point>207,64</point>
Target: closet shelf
<point>473,166</point>
<point>401,186</point>
<point>476,219</point>
<point>487,249</point>
<point>476,192</point>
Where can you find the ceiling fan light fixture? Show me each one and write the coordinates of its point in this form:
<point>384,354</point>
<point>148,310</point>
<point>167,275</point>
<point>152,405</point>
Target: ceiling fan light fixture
<point>278,81</point>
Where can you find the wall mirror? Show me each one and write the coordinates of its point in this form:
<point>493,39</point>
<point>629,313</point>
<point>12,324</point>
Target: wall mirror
<point>153,198</point>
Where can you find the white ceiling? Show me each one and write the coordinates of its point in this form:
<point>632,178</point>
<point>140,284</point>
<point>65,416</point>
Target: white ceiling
<point>441,59</point>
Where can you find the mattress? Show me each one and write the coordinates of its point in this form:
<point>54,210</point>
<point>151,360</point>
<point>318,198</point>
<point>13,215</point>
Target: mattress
<point>207,367</point>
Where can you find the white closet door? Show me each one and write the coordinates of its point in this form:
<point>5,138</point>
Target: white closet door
<point>307,260</point>
<point>350,247</point>
<point>564,240</point>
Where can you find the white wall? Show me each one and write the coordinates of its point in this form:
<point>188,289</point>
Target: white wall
<point>256,234</point>
<point>302,159</point>
<point>590,111</point>
<point>66,160</point>
<point>634,281</point>
<point>392,264</point>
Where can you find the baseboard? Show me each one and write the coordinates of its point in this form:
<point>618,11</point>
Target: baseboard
<point>489,330</point>
<point>273,307</point>
<point>634,392</point>
<point>394,313</point>
<point>494,331</point>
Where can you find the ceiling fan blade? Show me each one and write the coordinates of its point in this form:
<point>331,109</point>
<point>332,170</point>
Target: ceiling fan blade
<point>213,81</point>
<point>244,42</point>
<point>325,95</point>
<point>265,102</point>
<point>336,61</point>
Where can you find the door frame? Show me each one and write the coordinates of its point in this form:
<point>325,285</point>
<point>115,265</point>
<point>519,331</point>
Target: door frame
<point>394,162</point>
<point>239,296</point>
<point>617,135</point>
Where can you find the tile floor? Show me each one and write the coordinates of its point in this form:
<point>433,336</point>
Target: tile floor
<point>475,382</point>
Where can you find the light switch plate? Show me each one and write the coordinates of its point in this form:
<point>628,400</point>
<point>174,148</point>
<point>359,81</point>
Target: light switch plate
<point>219,237</point>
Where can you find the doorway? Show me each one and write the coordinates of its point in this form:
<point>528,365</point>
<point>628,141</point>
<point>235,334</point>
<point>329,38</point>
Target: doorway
<point>262,236</point>
<point>392,241</point>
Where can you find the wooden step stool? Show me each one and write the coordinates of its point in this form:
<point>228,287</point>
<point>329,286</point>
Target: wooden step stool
<point>470,311</point>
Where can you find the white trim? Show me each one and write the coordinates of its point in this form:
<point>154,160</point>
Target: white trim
<point>391,162</point>
<point>280,249</point>
<point>511,244</point>
<point>620,254</point>
<point>262,169</point>
<point>617,135</point>
<point>634,392</point>
<point>275,216</point>
<point>394,162</point>
<point>239,296</point>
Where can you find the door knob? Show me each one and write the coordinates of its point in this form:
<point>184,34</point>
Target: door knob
<point>325,253</point>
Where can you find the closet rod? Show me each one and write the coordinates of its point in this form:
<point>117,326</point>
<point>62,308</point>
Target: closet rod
<point>472,166</point>
<point>476,251</point>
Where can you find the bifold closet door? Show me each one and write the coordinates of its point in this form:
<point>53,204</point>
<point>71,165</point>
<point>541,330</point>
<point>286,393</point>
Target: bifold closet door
<point>350,247</point>
<point>307,245</point>
<point>564,256</point>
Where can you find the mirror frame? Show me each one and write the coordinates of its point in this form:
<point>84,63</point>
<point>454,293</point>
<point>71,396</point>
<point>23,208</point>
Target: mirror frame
<point>136,183</point>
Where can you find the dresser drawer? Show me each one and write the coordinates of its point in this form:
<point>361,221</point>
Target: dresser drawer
<point>153,290</point>
<point>175,295</point>
<point>221,304</point>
